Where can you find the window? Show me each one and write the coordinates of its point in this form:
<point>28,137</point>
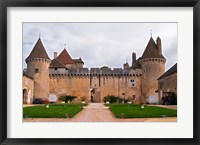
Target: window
<point>132,83</point>
<point>55,68</point>
<point>36,70</point>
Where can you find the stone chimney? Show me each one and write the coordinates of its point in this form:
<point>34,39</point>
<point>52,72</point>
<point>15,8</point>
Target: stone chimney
<point>158,41</point>
<point>55,55</point>
<point>133,58</point>
<point>126,65</point>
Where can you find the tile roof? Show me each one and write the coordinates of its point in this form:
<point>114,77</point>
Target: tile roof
<point>170,71</point>
<point>38,51</point>
<point>78,60</point>
<point>56,64</point>
<point>136,64</point>
<point>151,50</point>
<point>65,58</point>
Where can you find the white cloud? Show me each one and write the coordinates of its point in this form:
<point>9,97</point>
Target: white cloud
<point>100,44</point>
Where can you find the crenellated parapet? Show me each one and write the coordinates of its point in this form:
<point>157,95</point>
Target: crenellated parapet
<point>38,60</point>
<point>159,60</point>
<point>94,72</point>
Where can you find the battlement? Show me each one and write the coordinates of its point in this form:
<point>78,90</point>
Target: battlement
<point>94,72</point>
<point>38,59</point>
<point>161,60</point>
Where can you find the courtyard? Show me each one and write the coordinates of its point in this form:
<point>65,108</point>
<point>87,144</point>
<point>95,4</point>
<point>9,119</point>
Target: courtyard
<point>98,112</point>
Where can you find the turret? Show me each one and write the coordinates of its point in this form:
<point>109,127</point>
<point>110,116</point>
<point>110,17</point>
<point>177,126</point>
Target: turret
<point>153,66</point>
<point>38,68</point>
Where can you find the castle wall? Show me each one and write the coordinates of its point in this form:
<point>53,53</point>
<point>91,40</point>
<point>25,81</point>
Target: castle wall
<point>120,86</point>
<point>69,85</point>
<point>167,84</point>
<point>79,65</point>
<point>70,65</point>
<point>152,69</point>
<point>28,87</point>
<point>38,69</point>
<point>81,85</point>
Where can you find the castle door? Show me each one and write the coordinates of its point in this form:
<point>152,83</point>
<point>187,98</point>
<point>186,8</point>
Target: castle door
<point>95,95</point>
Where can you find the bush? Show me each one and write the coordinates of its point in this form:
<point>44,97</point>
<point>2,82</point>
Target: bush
<point>111,99</point>
<point>123,100</point>
<point>67,98</point>
<point>170,100</point>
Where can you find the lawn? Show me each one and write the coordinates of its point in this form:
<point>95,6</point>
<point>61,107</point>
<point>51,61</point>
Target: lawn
<point>134,111</point>
<point>54,111</point>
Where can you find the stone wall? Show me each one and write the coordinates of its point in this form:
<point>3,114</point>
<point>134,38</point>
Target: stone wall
<point>69,85</point>
<point>28,87</point>
<point>38,69</point>
<point>152,69</point>
<point>167,84</point>
<point>103,85</point>
<point>120,86</point>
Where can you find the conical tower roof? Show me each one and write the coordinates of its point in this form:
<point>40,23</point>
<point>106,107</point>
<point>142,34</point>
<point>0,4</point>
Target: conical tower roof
<point>65,58</point>
<point>38,51</point>
<point>151,50</point>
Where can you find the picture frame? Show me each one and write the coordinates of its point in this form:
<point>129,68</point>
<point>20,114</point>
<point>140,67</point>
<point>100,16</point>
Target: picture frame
<point>195,4</point>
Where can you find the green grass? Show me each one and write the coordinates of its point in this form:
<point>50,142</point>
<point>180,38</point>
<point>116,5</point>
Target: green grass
<point>54,111</point>
<point>134,111</point>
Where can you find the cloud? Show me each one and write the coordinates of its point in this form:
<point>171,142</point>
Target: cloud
<point>100,44</point>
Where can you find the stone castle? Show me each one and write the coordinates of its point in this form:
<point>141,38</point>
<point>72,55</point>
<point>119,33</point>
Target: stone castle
<point>46,78</point>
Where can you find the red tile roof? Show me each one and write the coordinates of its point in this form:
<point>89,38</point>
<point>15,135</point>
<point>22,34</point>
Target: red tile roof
<point>65,58</point>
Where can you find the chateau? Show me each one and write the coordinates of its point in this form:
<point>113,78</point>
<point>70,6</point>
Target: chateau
<point>46,78</point>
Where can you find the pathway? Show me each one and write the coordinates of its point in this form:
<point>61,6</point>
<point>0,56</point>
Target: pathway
<point>94,112</point>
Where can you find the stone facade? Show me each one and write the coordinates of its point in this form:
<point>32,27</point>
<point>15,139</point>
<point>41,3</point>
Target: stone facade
<point>66,76</point>
<point>28,88</point>
<point>167,83</point>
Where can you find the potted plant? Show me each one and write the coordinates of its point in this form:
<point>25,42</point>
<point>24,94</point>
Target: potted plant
<point>129,100</point>
<point>83,100</point>
<point>107,100</point>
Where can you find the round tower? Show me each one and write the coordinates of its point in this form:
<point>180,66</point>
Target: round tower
<point>38,68</point>
<point>153,66</point>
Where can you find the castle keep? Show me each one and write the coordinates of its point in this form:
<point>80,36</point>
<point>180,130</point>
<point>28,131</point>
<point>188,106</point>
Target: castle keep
<point>46,78</point>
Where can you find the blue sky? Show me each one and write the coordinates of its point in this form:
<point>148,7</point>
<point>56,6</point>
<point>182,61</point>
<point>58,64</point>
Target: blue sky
<point>101,44</point>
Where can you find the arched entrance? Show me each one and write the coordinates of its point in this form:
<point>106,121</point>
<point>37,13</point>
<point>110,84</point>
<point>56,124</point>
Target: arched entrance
<point>95,95</point>
<point>25,95</point>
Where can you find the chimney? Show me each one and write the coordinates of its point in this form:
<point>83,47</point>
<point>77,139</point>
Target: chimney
<point>126,66</point>
<point>158,41</point>
<point>55,55</point>
<point>133,58</point>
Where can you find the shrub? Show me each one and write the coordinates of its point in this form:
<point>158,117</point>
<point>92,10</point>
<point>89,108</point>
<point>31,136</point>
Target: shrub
<point>170,100</point>
<point>111,99</point>
<point>67,98</point>
<point>123,100</point>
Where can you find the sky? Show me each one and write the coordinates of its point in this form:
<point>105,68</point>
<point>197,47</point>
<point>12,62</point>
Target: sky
<point>101,44</point>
